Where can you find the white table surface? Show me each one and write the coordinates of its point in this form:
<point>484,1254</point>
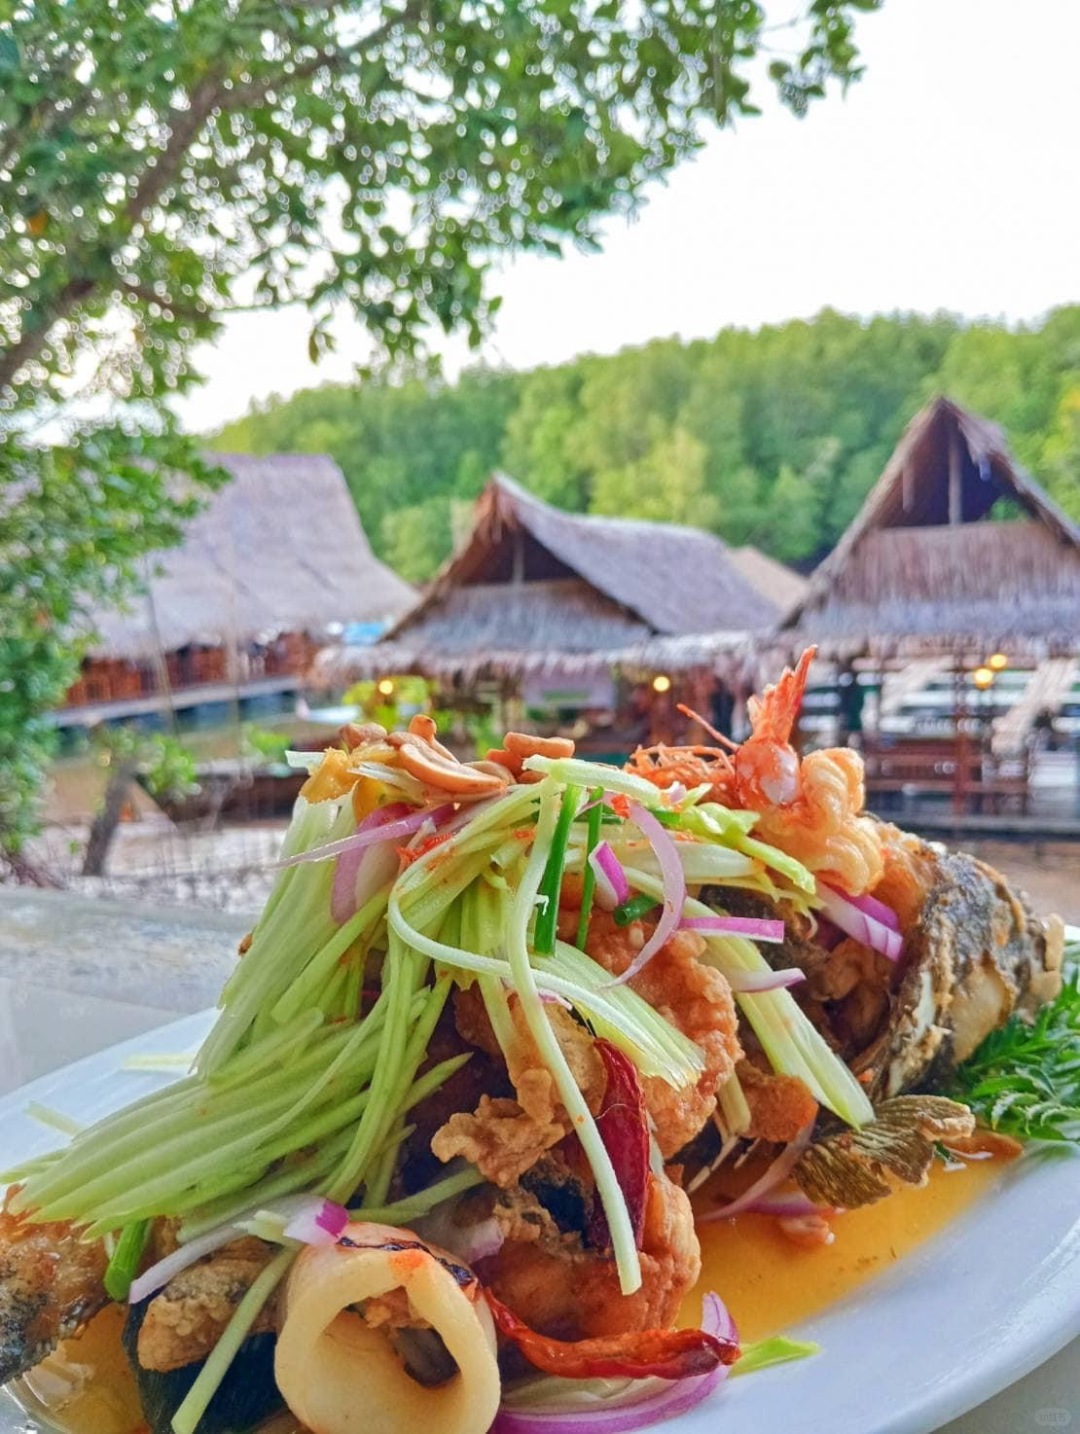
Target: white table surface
<point>44,1027</point>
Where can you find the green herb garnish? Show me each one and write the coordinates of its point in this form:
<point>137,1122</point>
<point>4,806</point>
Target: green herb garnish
<point>1024,1079</point>
<point>124,1264</point>
<point>634,909</point>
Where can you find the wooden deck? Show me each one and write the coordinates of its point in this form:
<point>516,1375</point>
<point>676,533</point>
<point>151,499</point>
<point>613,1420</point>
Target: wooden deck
<point>91,713</point>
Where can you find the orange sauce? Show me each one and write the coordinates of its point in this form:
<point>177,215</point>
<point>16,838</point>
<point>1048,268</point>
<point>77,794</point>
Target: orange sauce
<point>86,1385</point>
<point>769,1283</point>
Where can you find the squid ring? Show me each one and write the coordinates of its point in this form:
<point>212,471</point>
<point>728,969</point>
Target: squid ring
<point>340,1375</point>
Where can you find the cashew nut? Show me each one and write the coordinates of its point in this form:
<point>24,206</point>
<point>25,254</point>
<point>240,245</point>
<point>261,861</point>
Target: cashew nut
<point>523,744</point>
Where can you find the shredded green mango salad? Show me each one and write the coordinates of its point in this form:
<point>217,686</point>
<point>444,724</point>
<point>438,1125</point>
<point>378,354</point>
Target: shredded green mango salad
<point>308,1077</point>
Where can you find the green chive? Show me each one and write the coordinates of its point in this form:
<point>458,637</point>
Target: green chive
<point>124,1264</point>
<point>551,882</point>
<point>634,909</point>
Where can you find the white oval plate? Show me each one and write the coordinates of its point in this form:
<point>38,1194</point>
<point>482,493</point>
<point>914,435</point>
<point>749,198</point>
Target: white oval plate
<point>953,1323</point>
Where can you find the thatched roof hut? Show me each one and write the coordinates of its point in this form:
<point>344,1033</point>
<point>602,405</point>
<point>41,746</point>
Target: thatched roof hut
<point>535,591</point>
<point>279,549</point>
<point>782,585</point>
<point>926,566</point>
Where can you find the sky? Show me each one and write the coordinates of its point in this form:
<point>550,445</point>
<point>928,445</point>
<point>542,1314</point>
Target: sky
<point>945,179</point>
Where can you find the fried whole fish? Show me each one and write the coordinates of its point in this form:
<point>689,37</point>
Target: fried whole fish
<point>50,1285</point>
<point>974,953</point>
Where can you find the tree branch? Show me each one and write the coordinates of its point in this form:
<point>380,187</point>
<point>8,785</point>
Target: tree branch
<point>185,126</point>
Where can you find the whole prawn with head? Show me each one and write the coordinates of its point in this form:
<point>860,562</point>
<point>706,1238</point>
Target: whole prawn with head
<point>810,808</point>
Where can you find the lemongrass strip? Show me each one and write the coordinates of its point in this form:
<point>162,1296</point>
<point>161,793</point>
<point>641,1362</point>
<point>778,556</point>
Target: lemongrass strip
<point>187,1417</point>
<point>630,1021</point>
<point>573,770</point>
<point>733,1106</point>
<point>254,1125</point>
<point>789,1038</point>
<point>380,1110</point>
<point>216,1185</point>
<point>414,1207</point>
<point>271,1050</point>
<point>302,992</point>
<point>623,1245</point>
<point>53,1119</point>
<point>88,1159</point>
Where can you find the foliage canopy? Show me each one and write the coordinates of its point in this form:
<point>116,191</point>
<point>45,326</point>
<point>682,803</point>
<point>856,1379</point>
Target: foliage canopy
<point>771,438</point>
<point>163,164</point>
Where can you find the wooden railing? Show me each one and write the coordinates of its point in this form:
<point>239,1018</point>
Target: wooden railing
<point>961,767</point>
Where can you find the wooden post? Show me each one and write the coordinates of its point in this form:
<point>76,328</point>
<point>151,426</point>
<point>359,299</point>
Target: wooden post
<point>956,478</point>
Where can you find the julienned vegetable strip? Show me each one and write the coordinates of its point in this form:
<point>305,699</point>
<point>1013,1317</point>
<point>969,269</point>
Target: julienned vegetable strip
<point>588,876</point>
<point>551,883</point>
<point>123,1265</point>
<point>607,1183</point>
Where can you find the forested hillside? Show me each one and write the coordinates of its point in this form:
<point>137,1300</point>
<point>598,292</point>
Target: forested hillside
<point>769,438</point>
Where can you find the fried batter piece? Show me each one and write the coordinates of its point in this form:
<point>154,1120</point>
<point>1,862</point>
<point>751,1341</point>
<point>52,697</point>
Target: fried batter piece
<point>50,1285</point>
<point>185,1320</point>
<point>569,1292</point>
<point>780,1105</point>
<point>504,1138</point>
<point>500,1138</point>
<point>697,1000</point>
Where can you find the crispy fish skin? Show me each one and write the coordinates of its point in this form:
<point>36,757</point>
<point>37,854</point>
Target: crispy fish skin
<point>185,1320</point>
<point>973,954</point>
<point>50,1285</point>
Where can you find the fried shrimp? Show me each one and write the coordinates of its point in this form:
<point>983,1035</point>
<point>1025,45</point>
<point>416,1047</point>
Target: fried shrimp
<point>697,1000</point>
<point>570,1292</point>
<point>809,808</point>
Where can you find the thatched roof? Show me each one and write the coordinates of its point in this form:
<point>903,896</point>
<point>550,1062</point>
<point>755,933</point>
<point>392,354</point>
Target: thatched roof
<point>774,580</point>
<point>280,548</point>
<point>535,589</point>
<point>923,566</point>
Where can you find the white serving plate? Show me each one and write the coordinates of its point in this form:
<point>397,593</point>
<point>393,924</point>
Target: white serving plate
<point>960,1318</point>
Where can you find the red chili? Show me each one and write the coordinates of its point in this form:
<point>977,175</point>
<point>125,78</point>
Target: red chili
<point>623,1122</point>
<point>637,1354</point>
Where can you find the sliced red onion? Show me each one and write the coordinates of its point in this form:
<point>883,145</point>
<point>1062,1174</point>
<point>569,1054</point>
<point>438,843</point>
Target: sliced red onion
<point>552,998</point>
<point>754,982</point>
<point>674,889</point>
<point>466,1242</point>
<point>676,793</point>
<point>317,1222</point>
<point>871,906</point>
<point>159,1274</point>
<point>361,838</point>
<point>842,912</point>
<point>652,1401</point>
<point>776,1174</point>
<point>758,929</point>
<point>612,887</point>
<point>361,870</point>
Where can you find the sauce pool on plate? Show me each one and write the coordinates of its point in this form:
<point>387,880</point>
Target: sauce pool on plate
<point>768,1282</point>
